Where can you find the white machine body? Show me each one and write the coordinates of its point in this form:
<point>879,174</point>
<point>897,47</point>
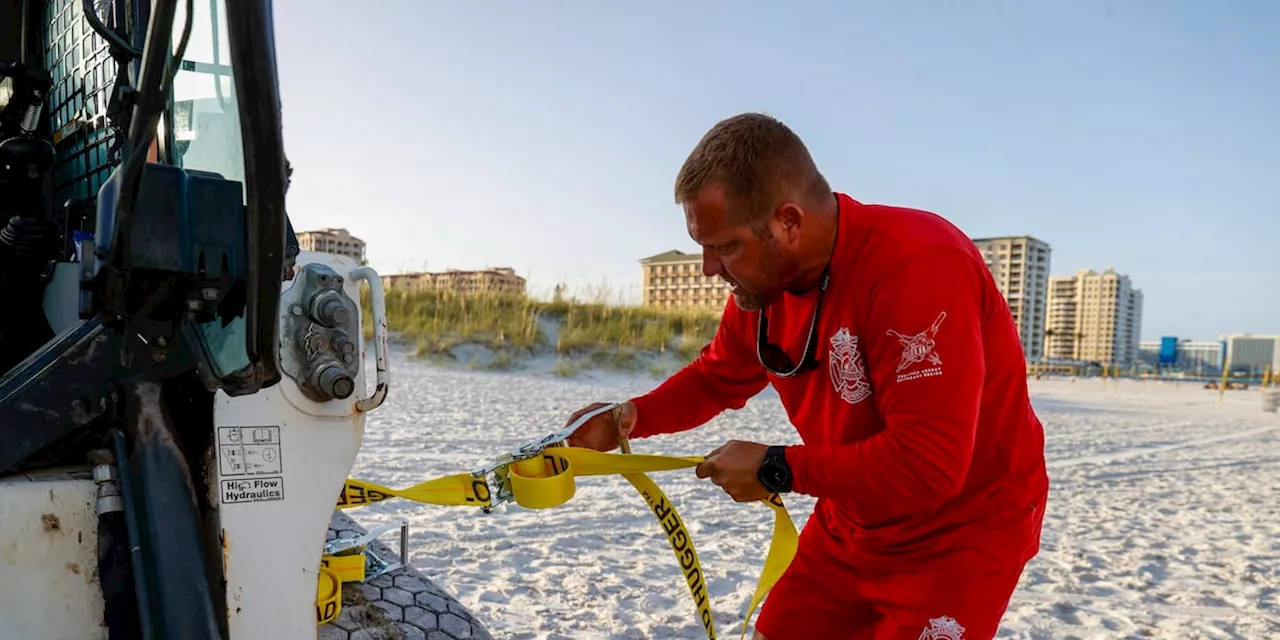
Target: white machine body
<point>281,458</point>
<point>49,557</point>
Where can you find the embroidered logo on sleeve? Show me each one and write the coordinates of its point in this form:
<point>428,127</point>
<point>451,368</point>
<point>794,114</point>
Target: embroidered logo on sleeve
<point>919,349</point>
<point>848,373</point>
<point>944,628</point>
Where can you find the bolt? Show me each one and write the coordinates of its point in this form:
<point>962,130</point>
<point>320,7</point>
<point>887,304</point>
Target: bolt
<point>327,309</point>
<point>343,344</point>
<point>333,382</point>
<point>315,343</point>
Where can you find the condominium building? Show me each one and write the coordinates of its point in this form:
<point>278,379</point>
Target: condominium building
<point>1252,354</point>
<point>338,241</point>
<point>675,280</point>
<point>1203,357</point>
<point>1020,267</point>
<point>500,280</point>
<point>1094,317</point>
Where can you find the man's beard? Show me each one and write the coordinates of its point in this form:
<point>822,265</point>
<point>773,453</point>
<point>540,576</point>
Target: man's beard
<point>774,272</point>
<point>748,301</point>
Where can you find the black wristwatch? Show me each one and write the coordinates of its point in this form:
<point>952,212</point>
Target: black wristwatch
<point>774,472</point>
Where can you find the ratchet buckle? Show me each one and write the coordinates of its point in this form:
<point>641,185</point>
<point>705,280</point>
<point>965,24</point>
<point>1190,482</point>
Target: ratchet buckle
<point>355,560</point>
<point>496,474</point>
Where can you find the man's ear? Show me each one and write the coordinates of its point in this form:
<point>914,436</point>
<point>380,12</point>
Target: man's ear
<point>790,218</point>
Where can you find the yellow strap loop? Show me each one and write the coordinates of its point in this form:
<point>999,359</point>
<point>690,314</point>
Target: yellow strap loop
<point>543,482</point>
<point>548,481</point>
<point>328,596</point>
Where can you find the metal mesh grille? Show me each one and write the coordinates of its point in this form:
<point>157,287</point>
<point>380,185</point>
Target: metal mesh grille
<point>83,75</point>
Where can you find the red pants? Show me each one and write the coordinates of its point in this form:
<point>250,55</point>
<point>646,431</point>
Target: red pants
<point>822,597</point>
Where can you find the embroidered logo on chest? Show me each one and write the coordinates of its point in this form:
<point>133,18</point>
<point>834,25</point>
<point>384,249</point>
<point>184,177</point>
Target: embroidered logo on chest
<point>919,348</point>
<point>848,373</point>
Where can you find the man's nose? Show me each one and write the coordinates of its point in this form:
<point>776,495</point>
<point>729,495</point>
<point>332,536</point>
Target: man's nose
<point>711,267</point>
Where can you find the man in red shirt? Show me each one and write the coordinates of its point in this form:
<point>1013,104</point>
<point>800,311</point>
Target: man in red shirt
<point>898,362</point>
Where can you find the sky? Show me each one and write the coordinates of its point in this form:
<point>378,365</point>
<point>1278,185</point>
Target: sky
<point>1142,135</point>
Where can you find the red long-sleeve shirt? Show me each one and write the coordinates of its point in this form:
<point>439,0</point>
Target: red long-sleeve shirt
<point>919,436</point>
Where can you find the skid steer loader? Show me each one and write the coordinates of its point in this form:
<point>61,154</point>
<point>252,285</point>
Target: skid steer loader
<point>183,390</point>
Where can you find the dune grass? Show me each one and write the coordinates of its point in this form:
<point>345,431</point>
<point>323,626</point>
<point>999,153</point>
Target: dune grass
<point>611,335</point>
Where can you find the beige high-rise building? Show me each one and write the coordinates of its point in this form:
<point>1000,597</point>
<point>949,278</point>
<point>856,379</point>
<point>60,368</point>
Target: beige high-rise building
<point>1020,267</point>
<point>339,241</point>
<point>675,280</point>
<point>1094,317</point>
<point>1060,320</point>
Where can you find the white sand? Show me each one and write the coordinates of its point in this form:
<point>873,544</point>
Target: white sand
<point>1164,520</point>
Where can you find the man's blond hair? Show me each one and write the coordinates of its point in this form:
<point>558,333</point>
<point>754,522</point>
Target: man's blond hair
<point>759,161</point>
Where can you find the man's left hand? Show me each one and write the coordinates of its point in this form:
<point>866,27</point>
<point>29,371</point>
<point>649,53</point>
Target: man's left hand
<point>733,467</point>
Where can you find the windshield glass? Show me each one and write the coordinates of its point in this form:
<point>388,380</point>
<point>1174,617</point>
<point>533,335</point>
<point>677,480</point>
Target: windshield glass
<point>206,121</point>
<point>206,137</point>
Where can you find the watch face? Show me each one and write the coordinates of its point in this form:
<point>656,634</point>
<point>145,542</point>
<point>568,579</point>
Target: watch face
<point>774,477</point>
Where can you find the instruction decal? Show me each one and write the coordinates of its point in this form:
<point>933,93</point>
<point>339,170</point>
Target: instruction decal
<point>249,451</point>
<point>252,490</point>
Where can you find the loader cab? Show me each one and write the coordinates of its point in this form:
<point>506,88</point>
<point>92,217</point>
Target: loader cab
<point>143,247</point>
<point>161,244</point>
<point>179,405</point>
<point>62,248</point>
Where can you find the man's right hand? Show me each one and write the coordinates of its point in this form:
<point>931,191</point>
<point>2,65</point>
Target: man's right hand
<point>601,432</point>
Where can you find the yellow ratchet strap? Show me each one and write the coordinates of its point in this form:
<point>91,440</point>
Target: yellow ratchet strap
<point>548,480</point>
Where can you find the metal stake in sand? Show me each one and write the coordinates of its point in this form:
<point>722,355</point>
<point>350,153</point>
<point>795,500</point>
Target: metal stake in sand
<point>1222,386</point>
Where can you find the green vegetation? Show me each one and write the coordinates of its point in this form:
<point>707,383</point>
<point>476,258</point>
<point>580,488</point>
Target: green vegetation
<point>586,333</point>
